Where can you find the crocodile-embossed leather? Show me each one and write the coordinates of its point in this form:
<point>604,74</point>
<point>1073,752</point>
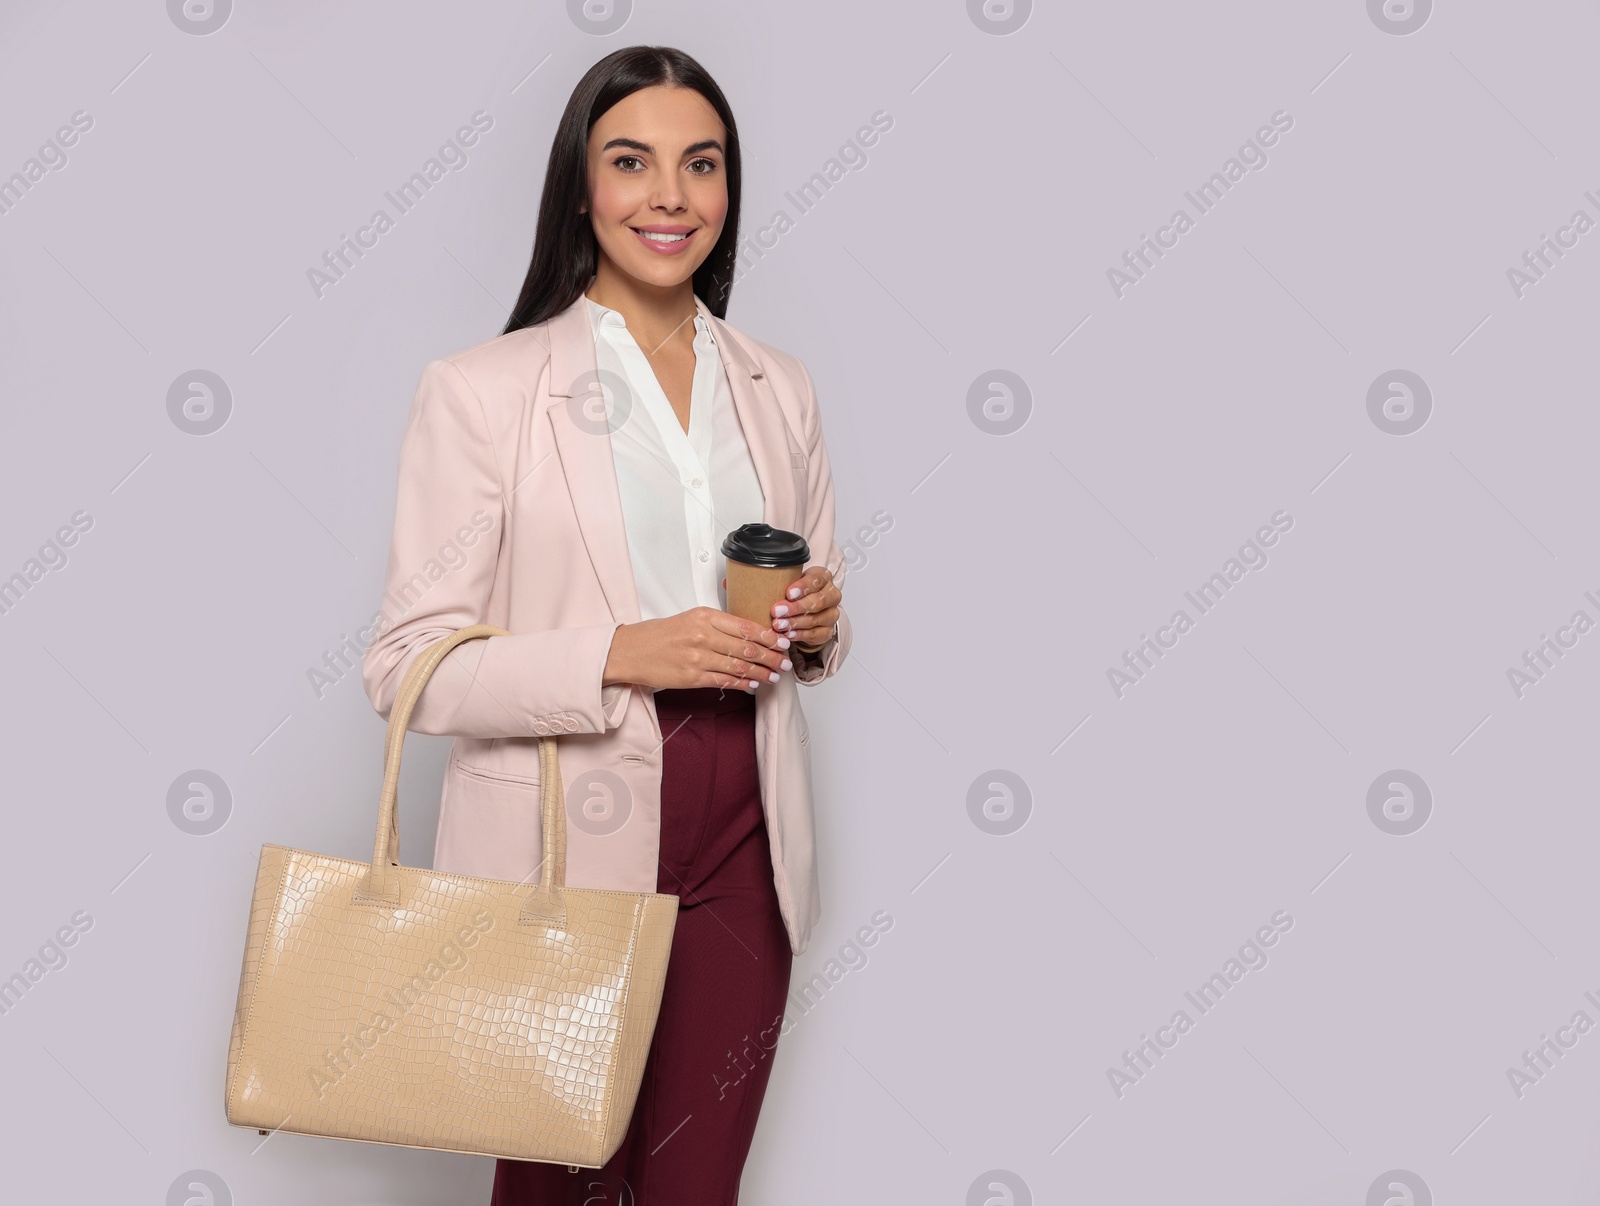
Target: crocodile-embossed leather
<point>397,1005</point>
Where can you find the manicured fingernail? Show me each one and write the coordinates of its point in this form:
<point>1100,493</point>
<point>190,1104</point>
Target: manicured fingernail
<point>783,643</point>
<point>780,625</point>
<point>787,665</point>
<point>772,678</point>
<point>782,609</point>
<point>754,684</point>
<point>795,593</point>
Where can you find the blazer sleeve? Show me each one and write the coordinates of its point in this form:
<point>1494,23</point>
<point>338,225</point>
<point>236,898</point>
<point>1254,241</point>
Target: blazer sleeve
<point>448,524</point>
<point>819,518</point>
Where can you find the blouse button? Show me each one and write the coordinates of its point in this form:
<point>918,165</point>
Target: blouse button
<point>705,556</point>
<point>697,483</point>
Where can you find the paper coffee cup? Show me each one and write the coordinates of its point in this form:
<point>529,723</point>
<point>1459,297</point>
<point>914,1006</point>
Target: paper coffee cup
<point>763,563</point>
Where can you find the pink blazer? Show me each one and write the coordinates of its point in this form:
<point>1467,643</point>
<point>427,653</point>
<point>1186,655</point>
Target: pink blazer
<point>508,514</point>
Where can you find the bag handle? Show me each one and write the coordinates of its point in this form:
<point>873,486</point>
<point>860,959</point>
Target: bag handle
<point>382,884</point>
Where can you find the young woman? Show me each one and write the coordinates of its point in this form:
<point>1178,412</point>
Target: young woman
<point>571,481</point>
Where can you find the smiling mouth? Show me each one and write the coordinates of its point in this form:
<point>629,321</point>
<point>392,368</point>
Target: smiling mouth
<point>654,237</point>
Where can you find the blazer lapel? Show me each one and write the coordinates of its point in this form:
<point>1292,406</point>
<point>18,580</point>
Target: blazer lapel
<point>762,422</point>
<point>583,442</point>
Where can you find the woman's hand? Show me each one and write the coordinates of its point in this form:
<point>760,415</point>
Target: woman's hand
<point>810,614</point>
<point>701,647</point>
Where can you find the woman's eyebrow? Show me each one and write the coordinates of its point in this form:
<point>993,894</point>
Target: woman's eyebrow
<point>633,144</point>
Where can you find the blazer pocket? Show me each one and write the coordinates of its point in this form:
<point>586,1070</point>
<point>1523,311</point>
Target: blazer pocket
<point>484,775</point>
<point>489,825</point>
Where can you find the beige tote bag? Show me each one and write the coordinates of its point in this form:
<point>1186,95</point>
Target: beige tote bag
<point>398,1005</point>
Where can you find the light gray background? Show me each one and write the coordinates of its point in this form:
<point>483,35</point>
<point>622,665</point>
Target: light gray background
<point>1162,430</point>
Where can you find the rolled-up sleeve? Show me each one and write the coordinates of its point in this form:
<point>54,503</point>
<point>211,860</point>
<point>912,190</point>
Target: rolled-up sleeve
<point>449,525</point>
<point>819,519</point>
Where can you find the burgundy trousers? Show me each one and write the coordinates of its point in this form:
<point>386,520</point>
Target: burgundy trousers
<point>727,980</point>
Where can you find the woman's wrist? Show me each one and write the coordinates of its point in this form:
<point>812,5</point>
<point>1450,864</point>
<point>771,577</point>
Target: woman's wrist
<point>616,668</point>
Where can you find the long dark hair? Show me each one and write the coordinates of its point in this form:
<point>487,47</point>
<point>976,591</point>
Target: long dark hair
<point>565,252</point>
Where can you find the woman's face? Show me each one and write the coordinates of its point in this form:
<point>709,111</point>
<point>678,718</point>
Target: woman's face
<point>656,166</point>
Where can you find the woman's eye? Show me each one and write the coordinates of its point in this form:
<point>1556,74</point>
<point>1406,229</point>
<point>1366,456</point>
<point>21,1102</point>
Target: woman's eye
<point>698,167</point>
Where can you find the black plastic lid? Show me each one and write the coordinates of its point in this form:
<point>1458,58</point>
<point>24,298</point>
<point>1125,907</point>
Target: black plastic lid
<point>764,545</point>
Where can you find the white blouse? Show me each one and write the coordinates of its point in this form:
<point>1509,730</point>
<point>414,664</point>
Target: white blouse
<point>682,492</point>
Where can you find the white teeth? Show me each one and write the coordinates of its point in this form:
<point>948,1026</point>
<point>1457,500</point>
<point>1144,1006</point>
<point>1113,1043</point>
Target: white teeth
<point>663,238</point>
